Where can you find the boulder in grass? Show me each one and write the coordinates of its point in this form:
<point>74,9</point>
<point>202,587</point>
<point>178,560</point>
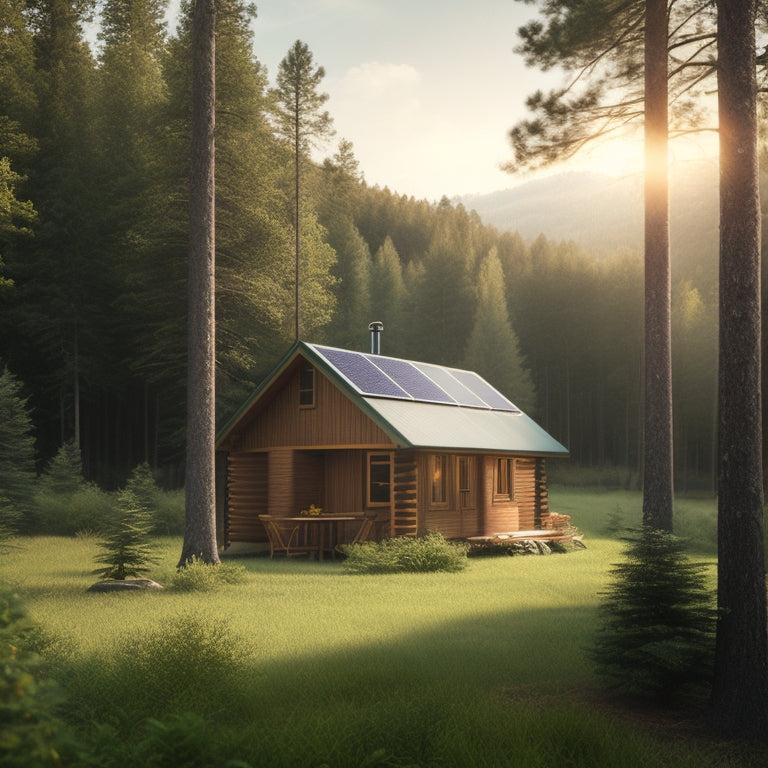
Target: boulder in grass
<point>123,585</point>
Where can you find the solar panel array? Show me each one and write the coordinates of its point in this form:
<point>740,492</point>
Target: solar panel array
<point>379,376</point>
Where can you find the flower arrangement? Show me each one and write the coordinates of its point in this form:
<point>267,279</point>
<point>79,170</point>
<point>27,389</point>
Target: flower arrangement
<point>312,511</point>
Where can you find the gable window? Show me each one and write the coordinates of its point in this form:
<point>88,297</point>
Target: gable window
<point>439,473</point>
<point>307,386</point>
<point>379,479</point>
<point>504,482</point>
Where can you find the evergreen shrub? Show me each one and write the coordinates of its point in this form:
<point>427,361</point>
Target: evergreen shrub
<point>64,473</point>
<point>432,552</point>
<point>658,620</point>
<point>126,547</point>
<point>17,453</point>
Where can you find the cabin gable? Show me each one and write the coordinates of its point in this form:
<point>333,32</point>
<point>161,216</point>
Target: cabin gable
<point>285,416</point>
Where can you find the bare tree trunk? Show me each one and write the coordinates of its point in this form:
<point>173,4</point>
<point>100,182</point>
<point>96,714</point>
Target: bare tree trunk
<point>200,475</point>
<point>740,690</point>
<point>657,464</point>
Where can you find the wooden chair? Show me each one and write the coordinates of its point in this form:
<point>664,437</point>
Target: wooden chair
<point>283,537</point>
<point>363,532</point>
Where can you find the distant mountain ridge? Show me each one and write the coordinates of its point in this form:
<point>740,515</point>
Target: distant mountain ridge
<point>604,214</point>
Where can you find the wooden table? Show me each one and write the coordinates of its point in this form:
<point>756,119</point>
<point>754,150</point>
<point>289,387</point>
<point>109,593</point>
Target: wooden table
<point>326,527</point>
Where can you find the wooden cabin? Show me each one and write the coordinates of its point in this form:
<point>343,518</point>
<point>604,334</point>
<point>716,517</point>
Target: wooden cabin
<point>424,447</point>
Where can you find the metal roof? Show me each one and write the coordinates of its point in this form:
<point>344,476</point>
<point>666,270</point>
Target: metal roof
<point>414,423</point>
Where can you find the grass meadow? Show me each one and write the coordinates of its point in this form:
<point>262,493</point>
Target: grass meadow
<point>303,664</point>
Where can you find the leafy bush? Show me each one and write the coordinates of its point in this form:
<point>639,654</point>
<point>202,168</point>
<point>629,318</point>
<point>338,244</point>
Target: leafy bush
<point>657,634</point>
<point>404,553</point>
<point>169,515</point>
<point>30,732</point>
<point>66,513</point>
<point>198,576</point>
<point>183,741</point>
<point>188,661</point>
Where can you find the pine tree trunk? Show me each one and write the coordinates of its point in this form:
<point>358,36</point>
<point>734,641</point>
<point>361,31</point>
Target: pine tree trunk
<point>657,464</point>
<point>200,477</point>
<point>740,690</point>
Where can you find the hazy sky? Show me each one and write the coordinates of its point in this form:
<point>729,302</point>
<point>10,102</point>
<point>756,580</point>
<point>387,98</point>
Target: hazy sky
<point>425,90</point>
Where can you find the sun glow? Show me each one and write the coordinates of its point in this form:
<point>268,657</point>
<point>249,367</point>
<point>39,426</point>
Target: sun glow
<point>625,156</point>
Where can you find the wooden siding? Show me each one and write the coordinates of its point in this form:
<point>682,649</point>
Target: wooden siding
<point>246,498</point>
<point>542,492</point>
<point>525,494</point>
<point>404,516</point>
<point>449,518</point>
<point>281,483</point>
<point>334,422</point>
<point>498,516</point>
<point>309,470</point>
<point>344,474</point>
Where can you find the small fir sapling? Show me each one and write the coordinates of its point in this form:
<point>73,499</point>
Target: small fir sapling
<point>658,619</point>
<point>126,550</point>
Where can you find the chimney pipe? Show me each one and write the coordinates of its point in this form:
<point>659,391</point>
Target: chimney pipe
<point>376,327</point>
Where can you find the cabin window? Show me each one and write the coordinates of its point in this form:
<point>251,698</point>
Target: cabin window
<point>307,387</point>
<point>505,480</point>
<point>439,473</point>
<point>467,493</point>
<point>379,479</point>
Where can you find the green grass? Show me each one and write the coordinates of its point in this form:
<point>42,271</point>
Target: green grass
<point>303,664</point>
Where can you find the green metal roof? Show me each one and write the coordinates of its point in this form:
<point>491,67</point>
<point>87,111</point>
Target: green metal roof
<point>419,423</point>
<point>427,425</point>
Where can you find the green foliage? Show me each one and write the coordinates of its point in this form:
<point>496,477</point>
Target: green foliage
<point>87,508</point>
<point>312,666</point>
<point>166,508</point>
<point>30,732</point>
<point>182,662</point>
<point>432,552</point>
<point>181,741</point>
<point>169,513</point>
<point>658,620</point>
<point>197,576</point>
<point>64,473</point>
<point>493,349</point>
<point>127,551</point>
<point>17,454</point>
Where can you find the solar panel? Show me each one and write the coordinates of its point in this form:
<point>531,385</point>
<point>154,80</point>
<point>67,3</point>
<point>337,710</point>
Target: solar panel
<point>390,377</point>
<point>418,385</point>
<point>367,377</point>
<point>442,377</point>
<point>480,387</point>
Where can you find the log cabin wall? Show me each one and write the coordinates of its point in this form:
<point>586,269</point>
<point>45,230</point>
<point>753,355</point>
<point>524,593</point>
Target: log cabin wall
<point>526,493</point>
<point>333,422</point>
<point>450,517</point>
<point>405,508</point>
<point>308,479</point>
<point>542,493</point>
<point>344,475</point>
<point>247,498</point>
<point>281,483</point>
<point>500,515</point>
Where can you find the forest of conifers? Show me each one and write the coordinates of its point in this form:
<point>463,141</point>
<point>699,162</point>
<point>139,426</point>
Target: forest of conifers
<point>93,240</point>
